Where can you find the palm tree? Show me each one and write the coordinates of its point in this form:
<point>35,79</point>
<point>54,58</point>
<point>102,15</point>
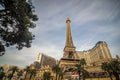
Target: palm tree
<point>46,76</point>
<point>115,67</point>
<point>61,73</point>
<point>13,69</point>
<point>2,74</point>
<point>9,76</point>
<point>112,67</point>
<point>32,73</point>
<point>19,73</point>
<point>1,69</point>
<point>106,67</point>
<point>84,73</point>
<point>80,68</point>
<point>56,70</point>
<point>27,69</point>
<point>82,62</point>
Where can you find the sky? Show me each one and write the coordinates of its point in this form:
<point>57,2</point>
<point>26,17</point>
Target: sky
<point>91,21</point>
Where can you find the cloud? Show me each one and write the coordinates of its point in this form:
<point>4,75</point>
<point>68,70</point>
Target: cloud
<point>91,21</point>
<point>97,11</point>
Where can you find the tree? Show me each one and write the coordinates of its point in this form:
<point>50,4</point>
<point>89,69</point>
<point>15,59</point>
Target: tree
<point>27,69</point>
<point>13,69</point>
<point>84,73</point>
<point>56,70</point>
<point>2,49</point>
<point>32,72</point>
<point>1,69</point>
<point>105,66</point>
<point>46,76</point>
<point>16,19</point>
<point>9,76</point>
<point>61,73</point>
<point>19,74</point>
<point>115,67</point>
<point>2,73</point>
<point>80,68</point>
<point>112,67</point>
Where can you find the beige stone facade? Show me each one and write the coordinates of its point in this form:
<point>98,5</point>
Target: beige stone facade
<point>98,53</point>
<point>40,72</point>
<point>42,64</point>
<point>44,60</point>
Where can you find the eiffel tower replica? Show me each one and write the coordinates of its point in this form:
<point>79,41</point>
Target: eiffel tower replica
<point>94,57</point>
<point>69,58</point>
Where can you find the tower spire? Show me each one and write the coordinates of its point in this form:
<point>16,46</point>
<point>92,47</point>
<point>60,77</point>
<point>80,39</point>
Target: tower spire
<point>69,49</point>
<point>69,41</point>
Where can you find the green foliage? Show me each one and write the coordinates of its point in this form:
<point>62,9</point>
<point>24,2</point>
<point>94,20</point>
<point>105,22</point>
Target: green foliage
<point>9,76</point>
<point>13,69</point>
<point>56,70</point>
<point>2,49</point>
<point>105,66</point>
<point>1,69</point>
<point>61,73</point>
<point>80,66</point>
<point>16,18</point>
<point>27,69</point>
<point>2,74</point>
<point>19,73</point>
<point>112,67</point>
<point>80,69</point>
<point>46,76</point>
<point>32,72</point>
